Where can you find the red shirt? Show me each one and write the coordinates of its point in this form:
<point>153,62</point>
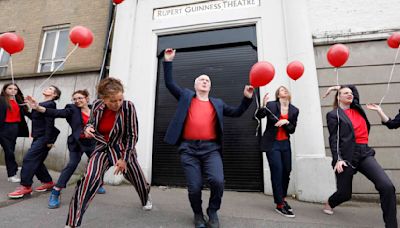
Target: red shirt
<point>359,126</point>
<point>85,120</point>
<point>200,121</point>
<point>106,123</point>
<point>281,134</point>
<point>13,115</point>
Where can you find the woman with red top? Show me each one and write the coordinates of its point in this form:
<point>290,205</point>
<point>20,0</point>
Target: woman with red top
<point>281,122</point>
<point>348,140</point>
<point>113,124</point>
<point>77,116</point>
<point>12,125</point>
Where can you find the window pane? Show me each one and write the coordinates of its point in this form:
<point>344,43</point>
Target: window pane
<point>3,71</point>
<point>49,45</point>
<point>45,67</point>
<point>62,44</point>
<point>4,58</point>
<point>56,64</point>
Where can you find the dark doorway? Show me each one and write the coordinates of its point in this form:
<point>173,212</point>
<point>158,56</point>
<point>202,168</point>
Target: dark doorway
<point>226,56</point>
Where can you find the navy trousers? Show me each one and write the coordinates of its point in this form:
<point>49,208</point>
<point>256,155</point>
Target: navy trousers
<point>200,158</point>
<point>33,163</point>
<point>8,139</point>
<point>367,165</point>
<point>85,146</point>
<point>280,164</point>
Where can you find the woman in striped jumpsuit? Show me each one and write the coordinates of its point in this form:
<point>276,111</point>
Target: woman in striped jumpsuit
<point>114,125</point>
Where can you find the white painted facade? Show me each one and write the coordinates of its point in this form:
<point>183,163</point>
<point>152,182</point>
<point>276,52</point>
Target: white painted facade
<point>345,17</point>
<point>283,34</point>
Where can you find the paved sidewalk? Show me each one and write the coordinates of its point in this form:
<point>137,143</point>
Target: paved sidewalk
<point>120,207</point>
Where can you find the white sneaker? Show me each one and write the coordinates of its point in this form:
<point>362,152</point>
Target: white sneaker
<point>14,179</point>
<point>149,204</point>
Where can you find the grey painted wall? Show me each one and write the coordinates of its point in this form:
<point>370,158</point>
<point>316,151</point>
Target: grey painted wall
<point>58,156</point>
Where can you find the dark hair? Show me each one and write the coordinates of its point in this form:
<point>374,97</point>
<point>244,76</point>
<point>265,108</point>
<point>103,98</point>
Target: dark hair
<point>335,101</point>
<point>109,86</point>
<point>84,92</point>
<point>19,97</point>
<point>57,91</point>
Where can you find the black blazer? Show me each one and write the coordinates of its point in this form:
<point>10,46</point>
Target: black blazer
<point>23,130</point>
<point>393,123</point>
<point>44,125</point>
<point>184,97</point>
<point>73,115</point>
<point>270,132</point>
<point>347,140</point>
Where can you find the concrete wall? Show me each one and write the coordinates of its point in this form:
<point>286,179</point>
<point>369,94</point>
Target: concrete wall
<point>369,68</point>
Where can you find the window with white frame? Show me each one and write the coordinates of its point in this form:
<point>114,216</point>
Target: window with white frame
<point>54,49</point>
<point>4,57</point>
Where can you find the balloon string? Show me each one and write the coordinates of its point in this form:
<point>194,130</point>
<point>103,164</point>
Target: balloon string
<point>391,75</point>
<point>11,70</point>
<point>255,117</point>
<point>59,66</point>
<point>337,115</point>
<point>108,42</point>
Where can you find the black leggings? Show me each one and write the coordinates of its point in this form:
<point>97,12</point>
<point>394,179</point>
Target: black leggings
<point>370,168</point>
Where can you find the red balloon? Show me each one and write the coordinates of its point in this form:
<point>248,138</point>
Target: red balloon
<point>295,70</point>
<point>261,74</point>
<point>82,36</point>
<point>338,55</point>
<point>11,42</point>
<point>394,40</point>
<point>118,1</point>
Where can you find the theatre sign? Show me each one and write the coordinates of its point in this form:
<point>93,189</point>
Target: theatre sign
<point>204,7</point>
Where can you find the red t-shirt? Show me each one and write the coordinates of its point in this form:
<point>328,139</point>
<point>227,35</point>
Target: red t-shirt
<point>85,120</point>
<point>13,115</point>
<point>106,123</point>
<point>281,134</point>
<point>359,126</point>
<point>200,121</point>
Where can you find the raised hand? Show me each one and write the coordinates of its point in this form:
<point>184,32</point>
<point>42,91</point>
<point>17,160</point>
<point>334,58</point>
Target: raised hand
<point>31,102</point>
<point>248,91</point>
<point>265,99</point>
<point>330,89</point>
<point>374,107</point>
<point>169,54</point>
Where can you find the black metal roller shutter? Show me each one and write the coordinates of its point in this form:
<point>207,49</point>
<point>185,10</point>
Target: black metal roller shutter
<point>228,65</point>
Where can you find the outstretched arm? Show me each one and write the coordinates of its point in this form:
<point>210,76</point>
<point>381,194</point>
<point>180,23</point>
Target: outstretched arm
<point>174,89</point>
<point>244,105</point>
<point>390,123</point>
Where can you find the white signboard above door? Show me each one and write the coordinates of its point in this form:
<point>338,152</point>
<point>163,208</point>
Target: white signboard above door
<point>203,7</point>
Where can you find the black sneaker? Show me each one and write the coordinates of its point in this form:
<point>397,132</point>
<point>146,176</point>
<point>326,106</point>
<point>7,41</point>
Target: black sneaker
<point>288,207</point>
<point>283,211</point>
<point>213,221</point>
<point>199,221</point>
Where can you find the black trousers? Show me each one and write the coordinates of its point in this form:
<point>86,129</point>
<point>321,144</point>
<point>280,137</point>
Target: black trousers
<point>33,163</point>
<point>8,138</point>
<point>369,167</point>
<point>86,146</point>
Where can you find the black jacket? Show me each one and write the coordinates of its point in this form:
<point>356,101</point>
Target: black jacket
<point>73,115</point>
<point>393,123</point>
<point>270,132</point>
<point>44,125</point>
<point>23,130</point>
<point>347,140</point>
